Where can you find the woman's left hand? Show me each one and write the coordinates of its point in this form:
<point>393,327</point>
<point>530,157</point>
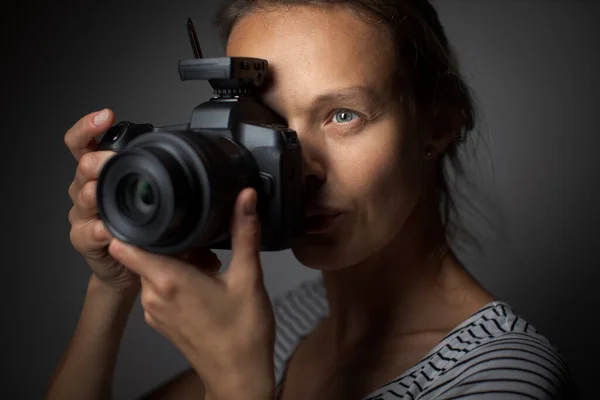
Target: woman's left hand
<point>222,323</point>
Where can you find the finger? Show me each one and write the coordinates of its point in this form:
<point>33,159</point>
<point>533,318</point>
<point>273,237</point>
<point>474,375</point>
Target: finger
<point>90,237</point>
<point>88,170</point>
<point>86,201</point>
<point>78,215</point>
<point>245,240</point>
<point>149,299</point>
<point>80,138</point>
<point>90,165</point>
<point>155,324</point>
<point>74,189</point>
<point>165,273</point>
<point>150,320</point>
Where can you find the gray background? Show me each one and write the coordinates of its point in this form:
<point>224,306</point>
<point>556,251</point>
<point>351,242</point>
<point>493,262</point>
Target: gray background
<point>534,68</point>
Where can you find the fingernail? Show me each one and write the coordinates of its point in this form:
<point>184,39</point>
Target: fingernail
<point>100,117</point>
<point>250,207</point>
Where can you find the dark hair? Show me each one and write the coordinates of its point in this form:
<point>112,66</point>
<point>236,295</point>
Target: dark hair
<point>437,97</point>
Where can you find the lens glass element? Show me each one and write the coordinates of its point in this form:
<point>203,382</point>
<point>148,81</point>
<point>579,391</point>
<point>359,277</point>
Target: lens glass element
<point>137,198</point>
<point>143,193</point>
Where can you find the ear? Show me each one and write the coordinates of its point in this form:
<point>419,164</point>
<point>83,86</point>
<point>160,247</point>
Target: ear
<point>444,130</point>
<point>438,146</point>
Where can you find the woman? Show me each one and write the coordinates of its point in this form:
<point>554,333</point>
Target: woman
<point>375,96</point>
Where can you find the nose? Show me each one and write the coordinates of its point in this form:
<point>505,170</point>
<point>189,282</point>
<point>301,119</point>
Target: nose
<point>313,157</point>
<point>313,168</point>
<point>315,172</point>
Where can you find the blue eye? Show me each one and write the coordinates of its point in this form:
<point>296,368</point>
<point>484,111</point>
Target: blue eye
<point>344,116</point>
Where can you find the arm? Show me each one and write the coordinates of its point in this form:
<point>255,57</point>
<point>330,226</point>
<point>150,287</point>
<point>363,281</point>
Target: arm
<point>187,385</point>
<point>86,368</point>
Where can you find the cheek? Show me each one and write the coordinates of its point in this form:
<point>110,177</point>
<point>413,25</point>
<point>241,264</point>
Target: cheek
<point>382,177</point>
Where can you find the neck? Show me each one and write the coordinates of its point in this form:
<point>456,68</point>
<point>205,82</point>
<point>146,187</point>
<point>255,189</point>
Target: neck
<point>392,290</point>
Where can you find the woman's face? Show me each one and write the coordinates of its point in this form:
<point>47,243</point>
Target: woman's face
<point>331,79</point>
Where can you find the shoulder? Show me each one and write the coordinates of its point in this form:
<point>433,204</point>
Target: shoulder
<point>498,354</point>
<point>297,312</point>
<point>494,354</point>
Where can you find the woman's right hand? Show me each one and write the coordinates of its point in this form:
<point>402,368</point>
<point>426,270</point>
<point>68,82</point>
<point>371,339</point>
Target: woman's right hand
<point>88,234</point>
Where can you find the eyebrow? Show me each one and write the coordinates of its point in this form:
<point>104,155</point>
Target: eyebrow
<point>371,99</point>
<point>362,93</point>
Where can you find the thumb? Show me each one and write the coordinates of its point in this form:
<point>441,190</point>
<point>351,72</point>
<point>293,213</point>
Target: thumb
<point>245,241</point>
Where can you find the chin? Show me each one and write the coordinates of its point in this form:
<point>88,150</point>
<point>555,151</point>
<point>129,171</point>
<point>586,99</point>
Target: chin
<point>325,252</point>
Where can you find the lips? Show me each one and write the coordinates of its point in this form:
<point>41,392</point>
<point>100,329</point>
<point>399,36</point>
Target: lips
<point>319,223</point>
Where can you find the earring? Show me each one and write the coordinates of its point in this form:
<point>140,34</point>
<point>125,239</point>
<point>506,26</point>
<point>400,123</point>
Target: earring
<point>429,154</point>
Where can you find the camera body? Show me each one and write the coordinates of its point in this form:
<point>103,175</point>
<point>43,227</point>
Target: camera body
<point>173,188</point>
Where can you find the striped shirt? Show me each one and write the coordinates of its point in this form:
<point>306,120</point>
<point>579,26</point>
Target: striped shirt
<point>494,354</point>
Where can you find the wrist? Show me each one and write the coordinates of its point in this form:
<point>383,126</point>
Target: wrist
<point>248,387</point>
<point>105,308</point>
<point>95,284</point>
<point>247,393</point>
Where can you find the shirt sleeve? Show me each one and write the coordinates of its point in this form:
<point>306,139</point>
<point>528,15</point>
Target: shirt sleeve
<point>516,366</point>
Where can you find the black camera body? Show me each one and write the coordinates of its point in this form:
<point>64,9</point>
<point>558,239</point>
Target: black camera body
<point>173,188</point>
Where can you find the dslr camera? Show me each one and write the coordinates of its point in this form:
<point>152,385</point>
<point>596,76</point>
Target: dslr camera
<point>173,188</point>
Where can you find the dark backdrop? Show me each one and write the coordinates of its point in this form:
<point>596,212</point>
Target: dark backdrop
<point>532,64</point>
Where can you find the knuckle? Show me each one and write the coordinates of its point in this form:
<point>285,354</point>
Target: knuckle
<point>165,286</point>
<point>75,238</point>
<point>149,319</point>
<point>73,192</point>
<point>98,230</point>
<point>87,195</point>
<point>149,301</point>
<point>88,165</point>
<point>72,215</point>
<point>72,133</point>
<point>67,139</point>
<point>81,236</point>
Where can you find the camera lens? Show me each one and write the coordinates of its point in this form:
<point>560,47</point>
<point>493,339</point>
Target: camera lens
<point>169,192</point>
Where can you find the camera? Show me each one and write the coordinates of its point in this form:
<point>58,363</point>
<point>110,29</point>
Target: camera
<point>173,188</point>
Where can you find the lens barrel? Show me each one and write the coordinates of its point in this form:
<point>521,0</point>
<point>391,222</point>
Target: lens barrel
<point>168,192</point>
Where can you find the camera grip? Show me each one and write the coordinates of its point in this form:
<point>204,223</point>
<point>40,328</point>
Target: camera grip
<point>118,136</point>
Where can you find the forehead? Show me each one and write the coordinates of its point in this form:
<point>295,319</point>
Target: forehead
<point>307,47</point>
